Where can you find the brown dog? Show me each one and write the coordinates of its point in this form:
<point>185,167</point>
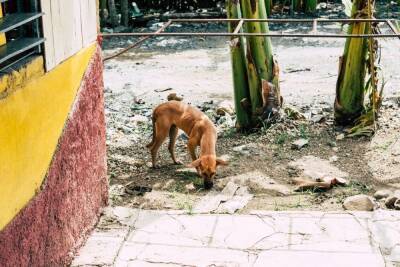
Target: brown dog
<point>170,116</point>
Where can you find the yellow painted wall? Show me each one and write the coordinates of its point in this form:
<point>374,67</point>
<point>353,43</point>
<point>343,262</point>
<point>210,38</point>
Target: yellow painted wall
<point>32,118</point>
<point>2,35</point>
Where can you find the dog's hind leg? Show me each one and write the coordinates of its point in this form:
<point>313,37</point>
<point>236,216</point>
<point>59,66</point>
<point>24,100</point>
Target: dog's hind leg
<point>161,132</point>
<point>173,134</point>
<point>150,145</point>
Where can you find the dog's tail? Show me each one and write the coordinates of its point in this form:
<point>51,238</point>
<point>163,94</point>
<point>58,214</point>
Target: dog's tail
<point>154,132</point>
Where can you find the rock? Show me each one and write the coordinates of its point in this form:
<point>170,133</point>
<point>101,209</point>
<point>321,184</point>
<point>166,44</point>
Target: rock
<point>232,198</point>
<point>246,149</point>
<point>359,203</point>
<point>225,157</point>
<point>226,122</point>
<point>335,149</point>
<point>140,120</point>
<point>157,186</point>
<point>257,183</point>
<point>391,200</point>
<point>333,159</point>
<point>397,205</point>
<point>210,114</point>
<point>190,188</point>
<point>173,96</point>
<point>340,137</point>
<point>116,190</point>
<point>382,194</point>
<point>299,144</point>
<point>318,118</point>
<point>168,184</point>
<point>225,107</point>
<point>237,202</point>
<point>317,168</point>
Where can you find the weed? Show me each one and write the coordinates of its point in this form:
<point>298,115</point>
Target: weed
<point>185,204</point>
<point>304,131</point>
<point>281,138</point>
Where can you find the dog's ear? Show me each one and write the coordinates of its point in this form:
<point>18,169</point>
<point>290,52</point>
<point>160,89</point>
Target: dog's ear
<point>221,162</point>
<point>195,164</point>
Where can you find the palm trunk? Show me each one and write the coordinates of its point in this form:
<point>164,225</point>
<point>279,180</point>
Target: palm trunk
<point>350,87</point>
<point>239,73</point>
<point>124,13</point>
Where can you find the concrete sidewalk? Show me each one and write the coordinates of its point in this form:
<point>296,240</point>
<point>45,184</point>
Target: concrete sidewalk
<point>130,237</point>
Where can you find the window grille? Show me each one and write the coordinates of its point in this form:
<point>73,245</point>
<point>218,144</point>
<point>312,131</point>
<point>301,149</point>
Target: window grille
<point>20,31</point>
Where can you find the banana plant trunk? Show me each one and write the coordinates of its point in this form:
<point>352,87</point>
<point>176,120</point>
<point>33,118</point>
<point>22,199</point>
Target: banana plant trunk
<point>239,72</point>
<point>259,52</point>
<point>350,87</point>
<point>268,6</point>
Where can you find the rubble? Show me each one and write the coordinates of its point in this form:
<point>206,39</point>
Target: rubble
<point>299,143</point>
<point>257,182</point>
<point>382,194</point>
<point>359,203</point>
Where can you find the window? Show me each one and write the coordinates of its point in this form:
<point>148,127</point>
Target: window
<point>20,31</point>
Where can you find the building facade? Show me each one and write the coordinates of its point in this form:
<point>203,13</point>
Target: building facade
<point>53,180</point>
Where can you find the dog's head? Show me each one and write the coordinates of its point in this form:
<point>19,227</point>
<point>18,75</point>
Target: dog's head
<point>206,166</point>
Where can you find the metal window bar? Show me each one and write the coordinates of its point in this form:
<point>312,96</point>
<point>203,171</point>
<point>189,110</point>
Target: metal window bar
<point>313,33</point>
<point>14,50</point>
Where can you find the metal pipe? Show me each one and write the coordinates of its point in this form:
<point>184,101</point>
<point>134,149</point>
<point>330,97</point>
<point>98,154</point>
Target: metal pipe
<point>393,28</point>
<point>278,20</point>
<point>145,37</point>
<point>225,34</point>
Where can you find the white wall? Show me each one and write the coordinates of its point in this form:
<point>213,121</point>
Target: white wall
<point>68,26</point>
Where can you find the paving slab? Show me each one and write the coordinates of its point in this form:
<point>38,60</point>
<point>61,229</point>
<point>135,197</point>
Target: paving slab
<point>161,238</point>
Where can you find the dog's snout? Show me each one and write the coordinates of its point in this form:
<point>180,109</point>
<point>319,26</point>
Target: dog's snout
<point>208,184</point>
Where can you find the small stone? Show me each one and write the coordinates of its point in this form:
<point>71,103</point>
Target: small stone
<point>225,157</point>
<point>245,149</point>
<point>318,118</point>
<point>359,203</point>
<point>335,149</point>
<point>173,96</point>
<point>299,144</point>
<point>392,199</point>
<point>340,137</point>
<point>157,186</point>
<point>190,188</point>
<point>332,144</point>
<point>187,171</point>
<point>397,205</point>
<point>168,184</point>
<point>140,119</point>
<point>149,164</point>
<point>382,194</point>
<point>333,159</point>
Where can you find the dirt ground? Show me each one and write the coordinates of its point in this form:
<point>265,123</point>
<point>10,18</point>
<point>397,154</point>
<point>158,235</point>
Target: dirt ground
<point>199,70</point>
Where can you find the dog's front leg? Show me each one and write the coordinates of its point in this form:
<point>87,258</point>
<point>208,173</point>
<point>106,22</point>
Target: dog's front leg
<point>192,145</point>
